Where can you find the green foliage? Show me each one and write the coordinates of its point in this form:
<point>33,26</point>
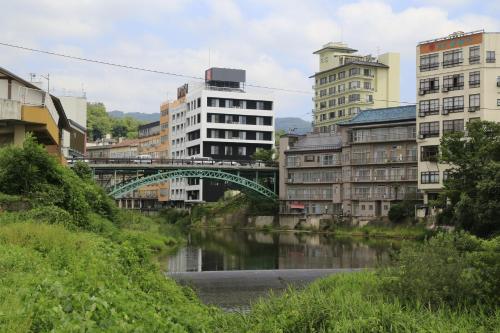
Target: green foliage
<point>473,186</point>
<point>83,170</point>
<point>266,155</point>
<point>57,280</point>
<point>99,123</point>
<point>353,302</point>
<point>449,269</point>
<point>401,211</point>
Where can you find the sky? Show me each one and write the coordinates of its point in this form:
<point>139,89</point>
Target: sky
<point>273,40</point>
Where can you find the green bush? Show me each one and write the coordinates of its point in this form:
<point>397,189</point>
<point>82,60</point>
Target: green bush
<point>449,269</point>
<point>401,211</point>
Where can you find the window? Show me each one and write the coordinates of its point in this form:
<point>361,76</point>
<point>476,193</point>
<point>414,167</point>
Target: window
<point>429,153</point>
<point>354,84</point>
<point>331,91</point>
<point>322,93</point>
<point>323,80</point>
<point>369,98</point>
<point>242,151</point>
<point>332,102</point>
<point>260,135</point>
<point>228,150</point>
<point>429,62</point>
<point>453,82</point>
<point>490,56</point>
<point>332,77</point>
<point>341,100</point>
<point>498,102</point>
<point>292,161</point>
<point>367,85</point>
<point>453,104</point>
<point>354,98</point>
<point>452,58</point>
<point>341,88</point>
<point>322,105</point>
<point>456,125</point>
<point>474,102</point>
<point>429,177</point>
<point>474,55</point>
<point>354,110</point>
<point>430,129</point>
<point>309,158</point>
<point>428,107</point>
<point>214,150</point>
<point>429,85</point>
<point>354,71</point>
<point>341,113</point>
<point>341,75</point>
<point>367,72</point>
<point>474,79</point>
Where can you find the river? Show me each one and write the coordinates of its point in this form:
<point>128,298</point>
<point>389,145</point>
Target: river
<point>231,268</point>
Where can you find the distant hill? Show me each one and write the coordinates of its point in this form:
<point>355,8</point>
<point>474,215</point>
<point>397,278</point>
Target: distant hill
<point>289,123</point>
<point>141,116</point>
<point>285,123</point>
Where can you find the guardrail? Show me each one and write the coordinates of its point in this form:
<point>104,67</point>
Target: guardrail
<point>176,162</point>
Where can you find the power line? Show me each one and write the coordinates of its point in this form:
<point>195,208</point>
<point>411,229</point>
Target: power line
<point>107,63</point>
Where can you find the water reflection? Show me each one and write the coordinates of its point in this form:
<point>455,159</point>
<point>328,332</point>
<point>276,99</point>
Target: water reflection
<point>219,250</point>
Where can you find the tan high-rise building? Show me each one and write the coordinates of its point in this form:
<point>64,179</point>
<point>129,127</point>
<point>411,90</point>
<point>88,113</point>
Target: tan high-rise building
<point>458,81</point>
<point>164,149</point>
<point>348,83</point>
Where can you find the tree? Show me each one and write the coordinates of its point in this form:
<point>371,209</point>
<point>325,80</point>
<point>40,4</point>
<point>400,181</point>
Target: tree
<point>472,189</point>
<point>265,155</point>
<point>98,121</point>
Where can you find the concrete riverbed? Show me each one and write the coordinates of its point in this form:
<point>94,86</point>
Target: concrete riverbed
<point>236,290</point>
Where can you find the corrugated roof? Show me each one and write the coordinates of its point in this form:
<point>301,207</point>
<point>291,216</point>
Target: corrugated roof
<point>398,113</point>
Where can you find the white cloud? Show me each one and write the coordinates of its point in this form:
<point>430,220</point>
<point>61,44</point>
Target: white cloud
<point>275,45</point>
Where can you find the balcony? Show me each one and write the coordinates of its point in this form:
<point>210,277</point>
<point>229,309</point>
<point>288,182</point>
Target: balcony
<point>10,109</point>
<point>474,83</point>
<point>321,180</point>
<point>452,109</point>
<point>384,138</point>
<point>429,112</point>
<point>474,108</point>
<point>429,67</point>
<point>387,196</point>
<point>384,178</point>
<point>452,63</point>
<point>452,87</point>
<point>474,59</point>
<point>390,160</point>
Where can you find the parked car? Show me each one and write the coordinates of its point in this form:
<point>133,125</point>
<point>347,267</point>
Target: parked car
<point>143,159</point>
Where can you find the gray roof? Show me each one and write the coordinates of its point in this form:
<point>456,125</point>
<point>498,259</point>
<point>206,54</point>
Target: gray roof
<point>398,113</point>
<point>318,141</point>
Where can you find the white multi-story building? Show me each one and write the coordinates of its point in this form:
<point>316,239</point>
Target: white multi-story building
<point>221,121</point>
<point>458,81</point>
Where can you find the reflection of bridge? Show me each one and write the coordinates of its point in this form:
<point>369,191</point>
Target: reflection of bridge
<point>121,176</point>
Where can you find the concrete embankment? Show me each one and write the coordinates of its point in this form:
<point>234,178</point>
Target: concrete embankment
<point>236,290</point>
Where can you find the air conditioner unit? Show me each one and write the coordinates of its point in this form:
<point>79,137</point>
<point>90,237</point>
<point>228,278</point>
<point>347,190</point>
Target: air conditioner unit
<point>421,136</point>
<point>445,89</point>
<point>446,111</point>
<point>421,92</point>
<point>473,108</point>
<point>421,114</point>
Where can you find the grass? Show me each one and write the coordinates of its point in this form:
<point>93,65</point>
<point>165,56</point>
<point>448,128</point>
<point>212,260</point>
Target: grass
<point>354,303</point>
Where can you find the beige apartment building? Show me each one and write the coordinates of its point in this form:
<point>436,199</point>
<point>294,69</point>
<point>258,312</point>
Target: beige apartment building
<point>164,149</point>
<point>458,81</point>
<point>370,163</point>
<point>347,83</point>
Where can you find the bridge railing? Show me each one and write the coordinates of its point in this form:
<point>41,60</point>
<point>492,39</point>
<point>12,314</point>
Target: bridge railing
<point>173,161</point>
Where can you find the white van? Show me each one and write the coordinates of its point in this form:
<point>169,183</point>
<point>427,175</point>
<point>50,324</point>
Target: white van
<point>143,159</point>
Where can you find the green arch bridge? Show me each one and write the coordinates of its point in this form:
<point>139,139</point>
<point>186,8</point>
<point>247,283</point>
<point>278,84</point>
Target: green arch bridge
<point>119,190</point>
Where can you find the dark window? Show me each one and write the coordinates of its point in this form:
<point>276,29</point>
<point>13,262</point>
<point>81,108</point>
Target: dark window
<point>428,107</point>
<point>309,158</point>
<point>222,103</point>
<point>474,55</point>
<point>453,82</point>
<point>199,102</point>
<point>453,104</point>
<point>429,177</point>
<point>430,129</point>
<point>490,56</point>
<point>429,85</point>
<point>452,58</point>
<point>211,101</point>
<point>456,125</point>
<point>474,102</point>
<point>429,62</point>
<point>429,153</point>
<point>474,79</point>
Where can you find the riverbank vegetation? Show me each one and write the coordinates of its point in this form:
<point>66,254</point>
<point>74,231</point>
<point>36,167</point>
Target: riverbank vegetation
<point>71,261</point>
<point>447,284</point>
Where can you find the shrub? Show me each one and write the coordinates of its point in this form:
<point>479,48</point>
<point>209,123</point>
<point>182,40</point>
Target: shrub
<point>401,211</point>
<point>452,269</point>
<point>50,215</point>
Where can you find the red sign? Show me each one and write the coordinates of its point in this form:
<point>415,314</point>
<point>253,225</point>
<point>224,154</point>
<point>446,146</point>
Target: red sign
<point>451,43</point>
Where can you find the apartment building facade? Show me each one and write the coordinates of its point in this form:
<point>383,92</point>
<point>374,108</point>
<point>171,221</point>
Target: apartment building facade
<point>458,81</point>
<point>26,108</point>
<point>164,149</point>
<point>219,120</point>
<point>347,83</point>
<point>370,163</point>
